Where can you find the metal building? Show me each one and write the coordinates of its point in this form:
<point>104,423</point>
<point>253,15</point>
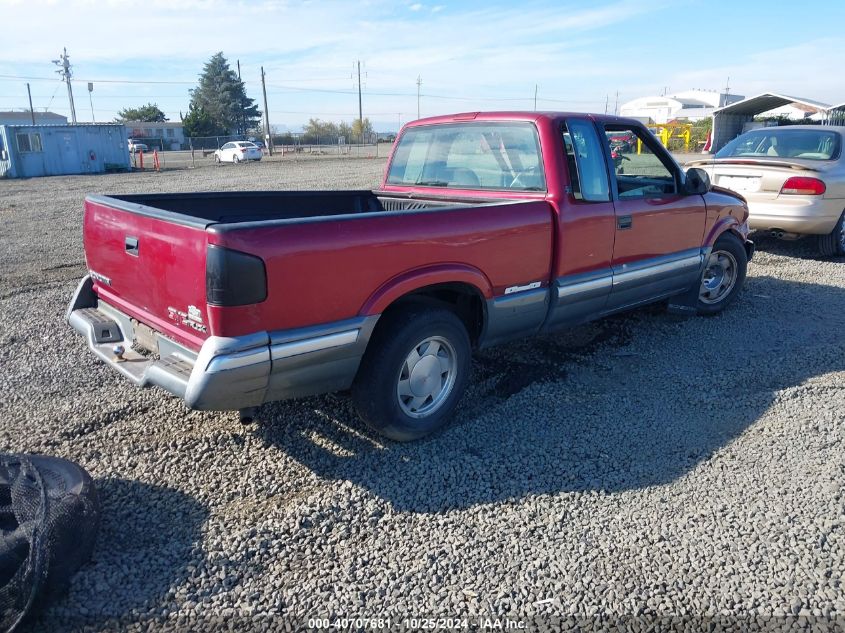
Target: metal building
<point>27,151</point>
<point>729,120</point>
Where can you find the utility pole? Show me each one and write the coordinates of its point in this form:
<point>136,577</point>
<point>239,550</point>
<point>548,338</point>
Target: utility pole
<point>267,133</point>
<point>616,104</point>
<point>727,90</point>
<point>419,83</point>
<point>31,111</point>
<point>91,100</point>
<point>606,102</point>
<point>63,62</point>
<point>360,110</point>
<point>535,97</point>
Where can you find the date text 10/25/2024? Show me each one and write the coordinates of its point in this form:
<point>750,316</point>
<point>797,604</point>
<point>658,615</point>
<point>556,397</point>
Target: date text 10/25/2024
<point>417,624</point>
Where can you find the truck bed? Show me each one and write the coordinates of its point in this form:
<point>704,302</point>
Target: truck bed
<point>204,209</point>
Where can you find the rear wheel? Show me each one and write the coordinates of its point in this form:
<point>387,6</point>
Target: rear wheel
<point>413,373</point>
<point>833,244</point>
<point>723,275</point>
<point>235,160</point>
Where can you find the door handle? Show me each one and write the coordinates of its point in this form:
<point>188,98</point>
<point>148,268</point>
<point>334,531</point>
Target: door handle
<point>624,222</point>
<point>130,245</point>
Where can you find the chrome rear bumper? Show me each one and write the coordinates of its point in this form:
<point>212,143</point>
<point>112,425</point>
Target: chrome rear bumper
<point>228,373</point>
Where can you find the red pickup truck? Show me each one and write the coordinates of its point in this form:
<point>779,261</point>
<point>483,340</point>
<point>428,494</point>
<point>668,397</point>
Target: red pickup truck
<point>487,227</point>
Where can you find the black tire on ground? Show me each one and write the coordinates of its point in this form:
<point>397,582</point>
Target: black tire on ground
<point>217,159</point>
<point>235,160</point>
<point>833,244</point>
<point>436,341</point>
<point>730,250</point>
<point>50,507</point>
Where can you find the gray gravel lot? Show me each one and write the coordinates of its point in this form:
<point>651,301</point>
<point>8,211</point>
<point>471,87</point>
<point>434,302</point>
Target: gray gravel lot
<point>642,466</point>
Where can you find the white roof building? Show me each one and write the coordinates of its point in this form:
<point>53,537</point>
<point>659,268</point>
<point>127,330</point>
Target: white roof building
<point>692,105</point>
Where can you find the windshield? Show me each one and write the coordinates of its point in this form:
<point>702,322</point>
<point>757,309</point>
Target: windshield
<point>469,156</point>
<point>784,143</point>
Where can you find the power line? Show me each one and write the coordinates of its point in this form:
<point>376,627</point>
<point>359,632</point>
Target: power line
<point>284,88</point>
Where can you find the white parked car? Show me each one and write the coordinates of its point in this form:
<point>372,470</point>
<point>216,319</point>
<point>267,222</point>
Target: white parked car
<point>137,146</point>
<point>793,178</point>
<point>237,151</point>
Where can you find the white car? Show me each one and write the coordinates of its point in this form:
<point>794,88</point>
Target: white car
<point>137,146</point>
<point>237,151</point>
<point>793,178</point>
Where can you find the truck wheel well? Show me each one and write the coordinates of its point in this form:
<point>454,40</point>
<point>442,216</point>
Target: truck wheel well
<point>462,299</point>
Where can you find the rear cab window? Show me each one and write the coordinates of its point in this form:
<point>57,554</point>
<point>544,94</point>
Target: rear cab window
<point>473,155</point>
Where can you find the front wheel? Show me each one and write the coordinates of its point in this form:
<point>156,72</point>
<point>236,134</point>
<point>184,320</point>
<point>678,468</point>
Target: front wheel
<point>413,373</point>
<point>723,275</point>
<point>217,158</point>
<point>833,244</point>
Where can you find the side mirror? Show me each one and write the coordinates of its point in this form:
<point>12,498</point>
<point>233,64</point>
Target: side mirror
<point>697,181</point>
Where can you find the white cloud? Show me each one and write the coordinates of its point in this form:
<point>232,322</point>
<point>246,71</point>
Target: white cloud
<point>474,55</point>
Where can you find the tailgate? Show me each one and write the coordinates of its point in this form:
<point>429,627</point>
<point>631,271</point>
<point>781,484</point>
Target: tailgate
<point>149,266</point>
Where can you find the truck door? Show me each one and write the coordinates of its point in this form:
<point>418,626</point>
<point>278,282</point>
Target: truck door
<point>585,229</point>
<point>659,228</point>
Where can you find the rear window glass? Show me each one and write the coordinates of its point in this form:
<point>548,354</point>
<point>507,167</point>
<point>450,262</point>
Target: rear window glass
<point>784,143</point>
<point>469,156</point>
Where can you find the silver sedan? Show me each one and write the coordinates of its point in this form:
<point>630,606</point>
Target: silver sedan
<point>793,178</point>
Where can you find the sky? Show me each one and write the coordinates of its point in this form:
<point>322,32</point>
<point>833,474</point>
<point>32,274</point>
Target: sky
<point>473,55</point>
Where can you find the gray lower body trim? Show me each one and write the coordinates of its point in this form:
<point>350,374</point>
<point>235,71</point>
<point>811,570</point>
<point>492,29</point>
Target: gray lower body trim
<point>654,279</point>
<point>228,373</point>
<point>318,359</point>
<point>587,296</point>
<point>579,298</point>
<point>514,316</point>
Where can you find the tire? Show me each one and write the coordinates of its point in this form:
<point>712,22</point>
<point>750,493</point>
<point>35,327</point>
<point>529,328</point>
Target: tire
<point>235,160</point>
<point>217,158</point>
<point>50,521</point>
<point>400,392</point>
<point>833,244</point>
<point>723,274</point>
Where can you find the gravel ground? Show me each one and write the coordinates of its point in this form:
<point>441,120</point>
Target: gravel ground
<point>641,467</point>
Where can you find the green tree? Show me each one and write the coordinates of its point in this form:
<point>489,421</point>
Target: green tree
<point>222,96</point>
<point>150,113</point>
<point>361,130</point>
<point>198,122</point>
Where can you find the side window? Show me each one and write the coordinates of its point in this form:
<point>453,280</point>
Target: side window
<point>28,141</point>
<point>586,162</point>
<point>639,172</point>
<point>228,146</point>
<point>23,142</point>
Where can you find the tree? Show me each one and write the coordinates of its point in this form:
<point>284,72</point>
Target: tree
<point>361,130</point>
<point>199,123</point>
<point>222,96</point>
<point>150,113</point>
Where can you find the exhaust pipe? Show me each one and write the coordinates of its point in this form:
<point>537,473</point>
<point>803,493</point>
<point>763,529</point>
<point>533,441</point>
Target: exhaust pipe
<point>784,235</point>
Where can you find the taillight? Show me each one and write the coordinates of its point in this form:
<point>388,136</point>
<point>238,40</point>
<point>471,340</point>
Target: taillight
<point>804,186</point>
<point>233,278</point>
<point>243,149</point>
